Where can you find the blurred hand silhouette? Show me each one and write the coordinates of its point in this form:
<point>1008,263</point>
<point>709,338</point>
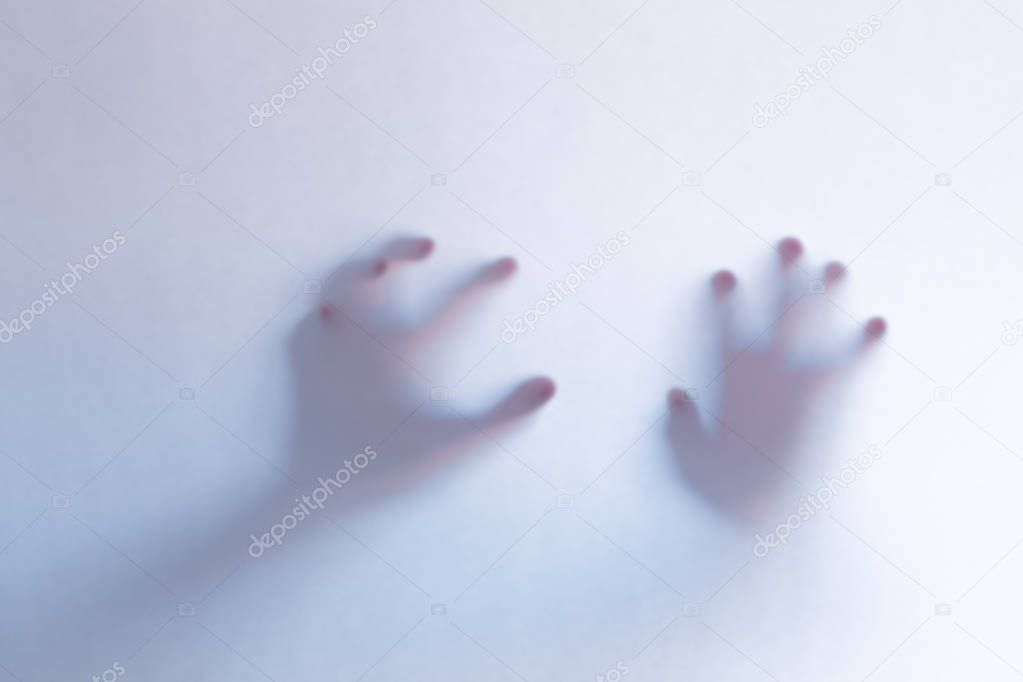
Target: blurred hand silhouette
<point>737,443</point>
<point>362,405</point>
<point>359,375</point>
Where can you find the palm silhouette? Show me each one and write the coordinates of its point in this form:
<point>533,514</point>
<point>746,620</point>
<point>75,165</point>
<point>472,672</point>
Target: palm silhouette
<point>737,449</point>
<point>358,382</point>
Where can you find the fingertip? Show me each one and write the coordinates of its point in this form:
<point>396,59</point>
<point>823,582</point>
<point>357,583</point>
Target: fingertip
<point>723,282</point>
<point>524,399</point>
<point>378,268</point>
<point>501,269</point>
<point>676,397</point>
<point>530,395</point>
<point>506,266</point>
<point>790,249</point>
<point>876,328</point>
<point>833,272</point>
<point>545,389</point>
<point>424,247</point>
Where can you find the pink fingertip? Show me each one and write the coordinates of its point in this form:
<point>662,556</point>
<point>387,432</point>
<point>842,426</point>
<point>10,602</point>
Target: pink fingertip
<point>676,397</point>
<point>545,389</point>
<point>500,269</point>
<point>379,268</point>
<point>497,271</point>
<point>790,249</point>
<point>834,272</point>
<point>876,327</point>
<point>424,248</point>
<point>324,310</point>
<point>533,393</point>
<point>527,397</point>
<point>723,282</point>
<point>506,266</point>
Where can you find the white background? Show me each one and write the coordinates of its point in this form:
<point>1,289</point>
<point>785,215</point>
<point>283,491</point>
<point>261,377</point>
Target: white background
<point>123,503</point>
